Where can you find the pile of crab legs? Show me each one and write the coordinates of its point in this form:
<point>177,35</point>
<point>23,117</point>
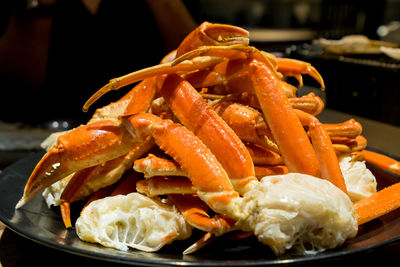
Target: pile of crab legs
<point>223,115</point>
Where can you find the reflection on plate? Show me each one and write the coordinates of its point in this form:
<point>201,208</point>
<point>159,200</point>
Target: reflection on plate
<point>38,223</point>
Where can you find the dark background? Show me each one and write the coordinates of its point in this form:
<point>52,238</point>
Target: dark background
<point>57,54</point>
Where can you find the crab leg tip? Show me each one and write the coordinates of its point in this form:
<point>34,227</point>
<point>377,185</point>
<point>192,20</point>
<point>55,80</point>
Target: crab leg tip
<point>202,242</point>
<point>105,89</point>
<point>20,203</point>
<point>66,214</point>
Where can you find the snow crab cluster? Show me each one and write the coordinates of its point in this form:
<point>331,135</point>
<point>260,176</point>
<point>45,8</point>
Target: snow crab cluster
<point>214,138</point>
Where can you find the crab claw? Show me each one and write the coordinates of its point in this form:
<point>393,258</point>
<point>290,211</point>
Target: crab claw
<point>293,67</point>
<point>213,34</point>
<point>98,141</point>
<point>206,34</point>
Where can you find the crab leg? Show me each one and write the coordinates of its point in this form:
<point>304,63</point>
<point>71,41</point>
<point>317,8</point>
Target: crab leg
<point>87,181</point>
<point>104,140</point>
<point>246,122</point>
<point>127,185</point>
<point>292,140</point>
<point>71,193</point>
<point>102,137</point>
<point>250,126</point>
<point>138,99</point>
<point>266,170</point>
<point>220,74</point>
<point>195,212</point>
<point>200,58</point>
<point>349,145</point>
<point>284,65</point>
<point>263,156</point>
<point>202,242</point>
<point>205,172</point>
<point>229,150</point>
<point>378,204</point>
<point>152,166</point>
<point>326,154</point>
<point>289,89</point>
<point>111,171</point>
<point>233,52</point>
<point>155,166</point>
<point>292,67</point>
<point>205,35</point>
<point>322,144</point>
<point>213,34</point>
<point>350,128</point>
<point>158,70</point>
<point>229,75</point>
<point>382,161</point>
<point>142,97</point>
<point>309,103</point>
<point>160,185</point>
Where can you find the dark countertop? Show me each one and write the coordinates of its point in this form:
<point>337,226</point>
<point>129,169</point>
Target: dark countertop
<point>16,250</point>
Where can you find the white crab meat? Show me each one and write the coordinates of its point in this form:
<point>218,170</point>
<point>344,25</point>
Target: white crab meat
<point>52,194</point>
<point>51,140</point>
<point>134,221</point>
<point>298,211</point>
<point>360,181</point>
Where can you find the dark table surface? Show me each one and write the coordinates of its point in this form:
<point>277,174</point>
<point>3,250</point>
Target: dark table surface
<point>16,250</point>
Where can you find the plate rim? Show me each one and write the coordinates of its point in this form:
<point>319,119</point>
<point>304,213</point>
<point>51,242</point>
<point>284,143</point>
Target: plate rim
<point>332,254</point>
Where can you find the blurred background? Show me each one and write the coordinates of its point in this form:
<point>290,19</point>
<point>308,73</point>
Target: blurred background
<point>54,54</point>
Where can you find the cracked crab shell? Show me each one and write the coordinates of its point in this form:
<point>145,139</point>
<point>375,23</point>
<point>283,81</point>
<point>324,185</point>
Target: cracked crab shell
<point>301,212</point>
<point>131,221</point>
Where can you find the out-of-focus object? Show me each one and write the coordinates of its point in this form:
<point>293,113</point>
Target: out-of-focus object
<point>353,44</point>
<point>391,52</point>
<point>18,140</point>
<point>280,35</point>
<point>18,137</point>
<point>390,32</point>
<point>366,80</point>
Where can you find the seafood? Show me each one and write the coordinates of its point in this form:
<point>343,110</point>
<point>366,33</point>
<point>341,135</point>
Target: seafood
<point>218,141</point>
<point>107,231</point>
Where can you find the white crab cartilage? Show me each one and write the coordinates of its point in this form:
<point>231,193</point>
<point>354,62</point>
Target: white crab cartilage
<point>131,221</point>
<point>299,211</point>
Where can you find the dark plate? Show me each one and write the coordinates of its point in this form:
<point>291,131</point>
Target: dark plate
<point>40,224</point>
